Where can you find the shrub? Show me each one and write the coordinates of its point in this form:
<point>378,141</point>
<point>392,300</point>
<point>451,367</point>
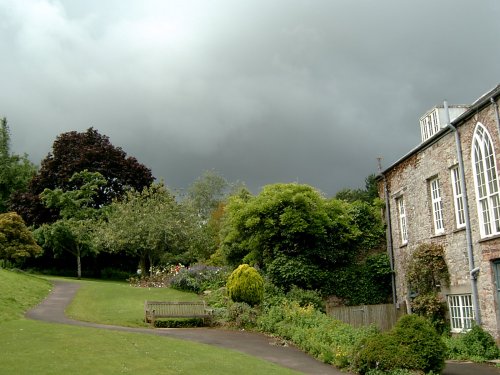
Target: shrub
<point>364,283</point>
<point>179,323</point>
<point>246,285</point>
<point>217,298</point>
<point>412,344</point>
<point>381,352</point>
<point>432,307</point>
<point>398,371</point>
<point>306,297</point>
<point>285,271</point>
<point>476,345</point>
<point>199,278</point>
<point>114,274</point>
<point>273,295</point>
<point>427,268</point>
<point>325,338</point>
<point>480,343</point>
<point>242,315</point>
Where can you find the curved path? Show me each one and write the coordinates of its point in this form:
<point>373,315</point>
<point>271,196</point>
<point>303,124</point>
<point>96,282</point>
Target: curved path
<point>255,344</point>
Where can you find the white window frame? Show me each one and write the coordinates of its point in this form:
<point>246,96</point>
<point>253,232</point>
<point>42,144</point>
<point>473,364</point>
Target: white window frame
<point>461,312</point>
<point>437,206</point>
<point>486,182</point>
<point>458,197</point>
<point>403,224</point>
<point>429,125</point>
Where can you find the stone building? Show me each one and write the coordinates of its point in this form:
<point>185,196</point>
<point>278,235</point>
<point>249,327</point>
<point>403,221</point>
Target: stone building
<point>446,191</point>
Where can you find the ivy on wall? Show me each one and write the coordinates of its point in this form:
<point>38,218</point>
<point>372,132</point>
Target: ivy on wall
<point>427,271</point>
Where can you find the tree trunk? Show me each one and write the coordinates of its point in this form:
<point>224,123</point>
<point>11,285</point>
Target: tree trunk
<point>150,265</point>
<point>78,263</point>
<point>142,265</point>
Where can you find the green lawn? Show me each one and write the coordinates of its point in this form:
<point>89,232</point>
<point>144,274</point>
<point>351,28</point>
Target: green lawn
<point>118,303</point>
<point>29,347</point>
<point>19,292</point>
<point>32,347</point>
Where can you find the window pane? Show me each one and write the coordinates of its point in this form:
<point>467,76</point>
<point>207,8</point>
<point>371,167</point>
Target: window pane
<point>437,206</point>
<point>402,221</point>
<point>458,197</point>
<point>486,180</point>
<point>461,312</point>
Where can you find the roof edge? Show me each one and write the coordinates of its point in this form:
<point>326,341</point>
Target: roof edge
<point>479,103</point>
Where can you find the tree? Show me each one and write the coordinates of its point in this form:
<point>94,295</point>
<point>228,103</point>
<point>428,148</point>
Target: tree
<point>291,231</point>
<point>207,197</point>
<point>16,240</point>
<point>74,152</point>
<point>150,225</point>
<point>207,193</point>
<point>15,171</point>
<point>368,194</point>
<point>73,231</point>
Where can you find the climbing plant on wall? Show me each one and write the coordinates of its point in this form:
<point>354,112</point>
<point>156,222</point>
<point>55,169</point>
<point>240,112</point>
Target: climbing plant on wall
<point>427,269</point>
<point>426,272</point>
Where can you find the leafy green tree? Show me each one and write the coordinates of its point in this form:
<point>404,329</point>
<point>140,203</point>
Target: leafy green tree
<point>73,231</point>
<point>207,197</point>
<point>150,225</point>
<point>15,171</point>
<point>74,152</point>
<point>207,193</point>
<point>368,194</point>
<point>16,240</point>
<point>291,231</point>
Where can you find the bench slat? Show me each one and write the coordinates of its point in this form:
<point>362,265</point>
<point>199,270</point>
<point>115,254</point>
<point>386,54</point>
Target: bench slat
<point>167,309</point>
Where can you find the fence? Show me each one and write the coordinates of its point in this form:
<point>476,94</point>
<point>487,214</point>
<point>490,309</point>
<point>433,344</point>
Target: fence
<point>383,316</point>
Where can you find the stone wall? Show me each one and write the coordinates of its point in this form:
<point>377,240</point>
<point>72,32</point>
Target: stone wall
<point>410,179</point>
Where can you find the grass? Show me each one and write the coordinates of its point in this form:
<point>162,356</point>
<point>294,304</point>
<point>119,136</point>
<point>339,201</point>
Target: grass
<point>29,347</point>
<point>32,347</point>
<point>118,303</point>
<point>19,292</point>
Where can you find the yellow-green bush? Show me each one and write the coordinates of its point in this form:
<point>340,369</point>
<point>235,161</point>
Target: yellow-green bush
<point>245,284</point>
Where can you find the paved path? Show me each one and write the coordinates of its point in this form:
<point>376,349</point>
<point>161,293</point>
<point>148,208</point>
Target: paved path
<point>255,344</point>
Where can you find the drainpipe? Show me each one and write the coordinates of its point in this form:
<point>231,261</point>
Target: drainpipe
<point>473,270</point>
<point>390,247</point>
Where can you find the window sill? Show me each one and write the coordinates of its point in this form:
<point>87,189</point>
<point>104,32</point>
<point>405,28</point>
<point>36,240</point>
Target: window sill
<point>459,330</point>
<point>459,230</point>
<point>491,238</point>
<point>403,245</point>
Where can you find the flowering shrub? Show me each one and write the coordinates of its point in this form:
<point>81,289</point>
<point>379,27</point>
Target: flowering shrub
<point>159,277</point>
<point>199,278</point>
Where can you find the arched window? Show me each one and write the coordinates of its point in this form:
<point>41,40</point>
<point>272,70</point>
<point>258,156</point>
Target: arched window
<point>486,181</point>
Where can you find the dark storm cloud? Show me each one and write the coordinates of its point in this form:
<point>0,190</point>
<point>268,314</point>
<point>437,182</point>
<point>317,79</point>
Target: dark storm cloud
<point>262,91</point>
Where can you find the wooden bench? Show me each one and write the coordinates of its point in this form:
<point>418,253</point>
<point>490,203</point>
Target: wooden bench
<point>160,309</point>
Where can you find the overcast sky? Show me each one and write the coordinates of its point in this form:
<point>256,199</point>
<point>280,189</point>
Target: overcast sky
<point>262,91</point>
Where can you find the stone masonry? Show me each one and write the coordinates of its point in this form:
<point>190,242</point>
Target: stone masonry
<point>409,179</point>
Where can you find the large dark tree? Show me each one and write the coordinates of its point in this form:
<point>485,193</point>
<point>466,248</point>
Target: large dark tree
<point>74,152</point>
